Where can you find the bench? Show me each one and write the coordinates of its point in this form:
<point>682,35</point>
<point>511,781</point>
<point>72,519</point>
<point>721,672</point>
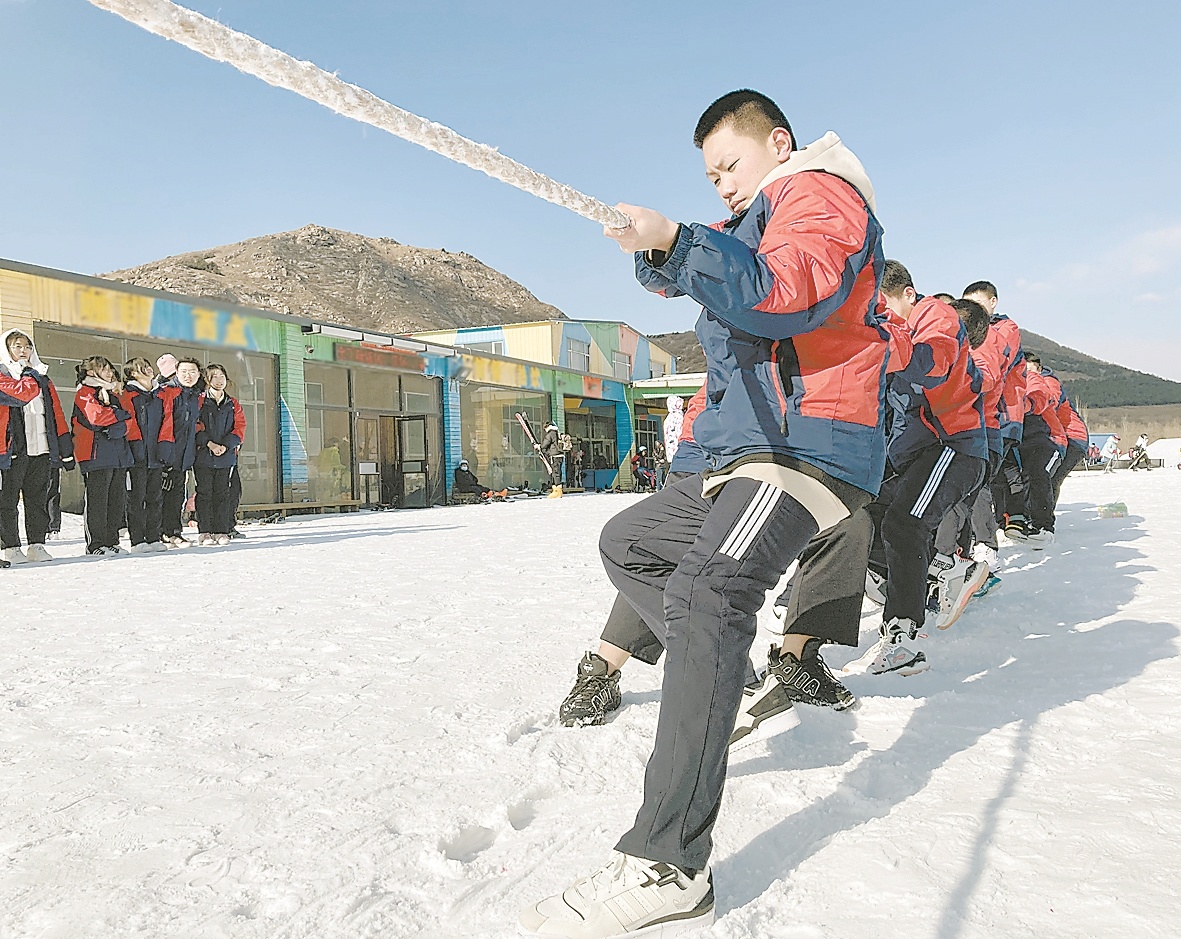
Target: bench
<point>283,508</point>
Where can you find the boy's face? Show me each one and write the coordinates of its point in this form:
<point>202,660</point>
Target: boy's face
<point>187,374</point>
<point>735,164</point>
<point>902,304</point>
<point>989,303</point>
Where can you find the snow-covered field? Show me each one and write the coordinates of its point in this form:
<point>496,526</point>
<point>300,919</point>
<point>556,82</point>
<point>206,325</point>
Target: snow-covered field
<point>345,726</point>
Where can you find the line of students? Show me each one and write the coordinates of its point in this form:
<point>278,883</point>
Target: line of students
<point>844,419</point>
<point>135,437</point>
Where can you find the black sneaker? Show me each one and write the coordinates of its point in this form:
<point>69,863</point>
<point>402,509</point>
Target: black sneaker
<point>808,680</point>
<point>234,533</point>
<point>594,694</point>
<point>4,563</point>
<point>766,710</point>
<point>1017,528</point>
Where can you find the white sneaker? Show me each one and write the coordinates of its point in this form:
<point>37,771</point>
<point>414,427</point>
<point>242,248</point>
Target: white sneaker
<point>629,896</point>
<point>222,540</point>
<point>875,587</point>
<point>957,582</point>
<point>144,547</point>
<point>158,546</point>
<point>893,655</point>
<point>15,556</point>
<point>766,711</point>
<point>1038,538</point>
<point>986,554</point>
<point>204,539</point>
<point>37,552</point>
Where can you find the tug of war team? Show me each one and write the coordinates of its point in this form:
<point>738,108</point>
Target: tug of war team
<point>134,437</point>
<point>875,435</point>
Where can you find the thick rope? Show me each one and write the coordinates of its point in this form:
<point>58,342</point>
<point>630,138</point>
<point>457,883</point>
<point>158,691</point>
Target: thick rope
<point>248,55</point>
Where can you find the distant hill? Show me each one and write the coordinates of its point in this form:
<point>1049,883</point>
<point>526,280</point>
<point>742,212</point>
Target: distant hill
<point>1091,382</point>
<point>340,277</point>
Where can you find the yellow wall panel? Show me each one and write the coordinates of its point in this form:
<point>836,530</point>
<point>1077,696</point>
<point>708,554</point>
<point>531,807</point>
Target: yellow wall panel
<point>16,301</point>
<point>533,342</point>
<point>106,309</point>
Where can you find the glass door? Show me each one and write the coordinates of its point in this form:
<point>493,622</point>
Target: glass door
<point>412,463</point>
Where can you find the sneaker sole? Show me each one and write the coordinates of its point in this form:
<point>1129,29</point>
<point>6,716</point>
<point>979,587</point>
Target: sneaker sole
<point>914,667</point>
<point>971,585</point>
<point>668,930</point>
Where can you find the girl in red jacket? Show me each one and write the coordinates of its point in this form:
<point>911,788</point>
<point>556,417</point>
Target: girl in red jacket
<point>101,426</point>
<point>221,427</point>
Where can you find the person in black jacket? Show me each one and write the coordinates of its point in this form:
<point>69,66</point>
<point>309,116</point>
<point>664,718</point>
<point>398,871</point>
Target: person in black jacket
<point>466,483</point>
<point>180,395</point>
<point>221,428</point>
<point>551,448</point>
<point>151,448</point>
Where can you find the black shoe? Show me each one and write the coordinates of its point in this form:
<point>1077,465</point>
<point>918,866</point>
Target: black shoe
<point>1017,528</point>
<point>808,680</point>
<point>234,533</point>
<point>594,694</point>
<point>4,564</point>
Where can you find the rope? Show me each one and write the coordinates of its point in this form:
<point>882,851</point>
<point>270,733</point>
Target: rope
<point>248,55</point>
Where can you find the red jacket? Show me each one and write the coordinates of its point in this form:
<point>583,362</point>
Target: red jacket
<point>1041,408</point>
<point>57,429</point>
<point>991,362</point>
<point>100,431</point>
<point>1013,396</point>
<point>796,356</point>
<point>14,393</point>
<point>1068,417</point>
<point>944,387</point>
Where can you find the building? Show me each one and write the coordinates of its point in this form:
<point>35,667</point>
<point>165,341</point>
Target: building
<point>336,415</point>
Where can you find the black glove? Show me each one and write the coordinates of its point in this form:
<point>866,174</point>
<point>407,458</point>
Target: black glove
<point>69,463</point>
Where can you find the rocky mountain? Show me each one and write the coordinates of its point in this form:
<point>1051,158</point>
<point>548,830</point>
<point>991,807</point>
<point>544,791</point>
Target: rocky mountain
<point>338,277</point>
<point>1091,382</point>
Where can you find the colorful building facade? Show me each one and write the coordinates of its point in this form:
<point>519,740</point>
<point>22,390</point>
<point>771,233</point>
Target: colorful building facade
<point>336,415</point>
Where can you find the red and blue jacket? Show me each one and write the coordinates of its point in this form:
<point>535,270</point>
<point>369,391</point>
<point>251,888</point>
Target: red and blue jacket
<point>100,431</point>
<point>221,422</point>
<point>14,393</point>
<point>1072,424</point>
<point>990,361</point>
<point>150,430</point>
<point>1041,409</point>
<point>938,398</point>
<point>57,428</point>
<point>795,348</point>
<point>1013,396</point>
<point>182,405</point>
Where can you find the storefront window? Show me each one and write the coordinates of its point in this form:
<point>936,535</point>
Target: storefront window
<point>420,395</point>
<point>494,444</point>
<point>595,428</point>
<point>325,385</point>
<point>375,389</point>
<point>330,455</point>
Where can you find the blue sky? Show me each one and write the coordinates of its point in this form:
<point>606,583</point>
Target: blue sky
<point>1032,144</point>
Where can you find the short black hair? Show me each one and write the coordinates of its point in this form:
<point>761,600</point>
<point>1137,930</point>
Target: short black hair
<point>189,360</point>
<point>895,278</point>
<point>981,286</point>
<point>945,297</point>
<point>749,112</point>
<point>1034,358</point>
<point>975,319</point>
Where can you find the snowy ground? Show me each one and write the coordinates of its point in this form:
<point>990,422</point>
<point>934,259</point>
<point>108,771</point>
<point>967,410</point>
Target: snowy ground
<point>345,727</point>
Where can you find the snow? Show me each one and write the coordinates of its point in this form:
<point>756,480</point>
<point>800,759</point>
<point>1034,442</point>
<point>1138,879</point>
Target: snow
<point>345,726</point>
<point>1167,449</point>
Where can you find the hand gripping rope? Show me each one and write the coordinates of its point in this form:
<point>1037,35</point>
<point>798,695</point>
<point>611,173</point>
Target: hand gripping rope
<point>248,55</point>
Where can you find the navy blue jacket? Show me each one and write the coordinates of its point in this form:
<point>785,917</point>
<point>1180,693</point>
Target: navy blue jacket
<point>151,444</point>
<point>223,423</point>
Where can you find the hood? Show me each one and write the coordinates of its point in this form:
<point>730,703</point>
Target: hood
<point>831,156</point>
<point>9,363</point>
<point>674,403</point>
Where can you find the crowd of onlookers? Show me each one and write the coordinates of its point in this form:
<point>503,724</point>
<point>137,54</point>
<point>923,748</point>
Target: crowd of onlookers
<point>135,434</point>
